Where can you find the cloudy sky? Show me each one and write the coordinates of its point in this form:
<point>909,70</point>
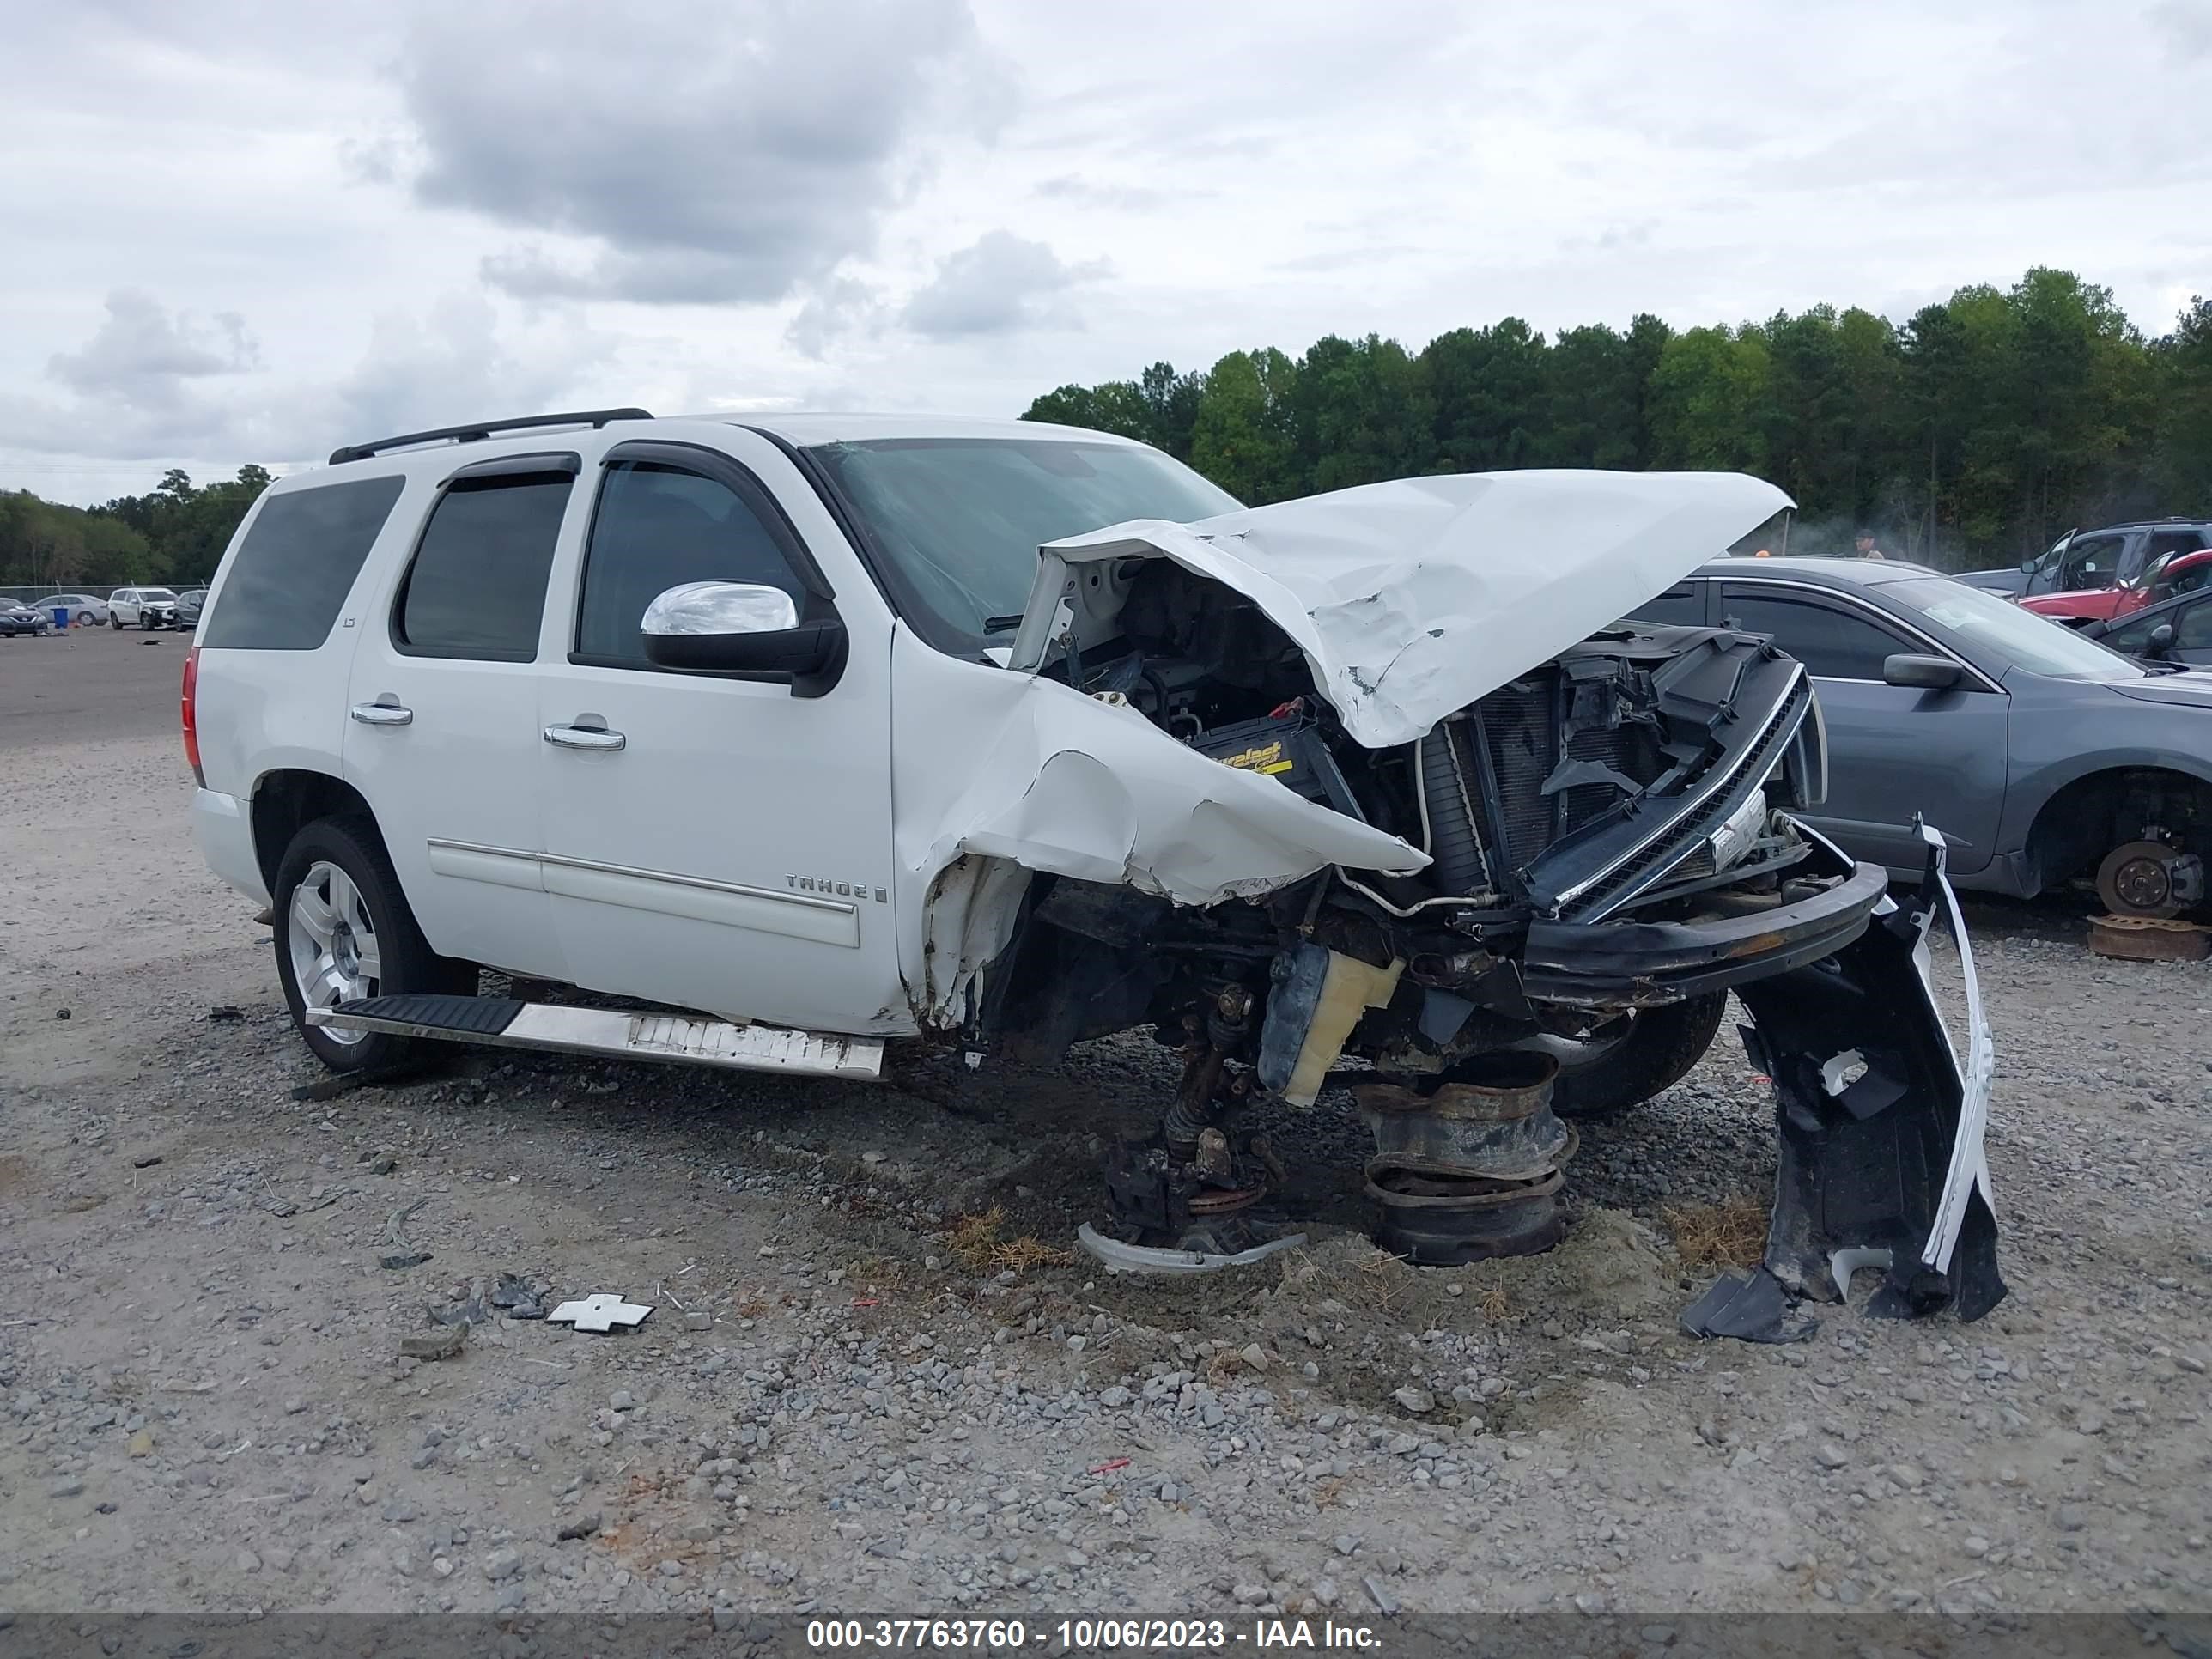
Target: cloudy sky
<point>243,233</point>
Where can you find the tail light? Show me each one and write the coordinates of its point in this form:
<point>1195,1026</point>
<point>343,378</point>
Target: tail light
<point>189,701</point>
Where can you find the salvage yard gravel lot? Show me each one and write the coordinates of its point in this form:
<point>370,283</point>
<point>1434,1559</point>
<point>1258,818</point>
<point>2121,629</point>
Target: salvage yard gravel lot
<point>876,1377</point>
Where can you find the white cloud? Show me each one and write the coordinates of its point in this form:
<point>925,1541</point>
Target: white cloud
<point>144,354</point>
<point>253,232</point>
<point>693,150</point>
<point>998,284</point>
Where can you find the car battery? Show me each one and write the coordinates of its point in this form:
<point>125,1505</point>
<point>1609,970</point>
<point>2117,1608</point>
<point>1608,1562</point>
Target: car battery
<point>1286,745</point>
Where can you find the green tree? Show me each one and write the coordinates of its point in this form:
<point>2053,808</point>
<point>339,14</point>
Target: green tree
<point>51,545</point>
<point>1592,408</point>
<point>1365,413</point>
<point>1116,406</point>
<point>1488,385</point>
<point>1171,408</point>
<point>2182,391</point>
<point>1244,434</point>
<point>1709,400</point>
<point>1975,432</point>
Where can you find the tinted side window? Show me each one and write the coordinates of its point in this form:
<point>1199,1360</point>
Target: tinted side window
<point>2133,635</point>
<point>297,564</point>
<point>659,527</point>
<point>1829,640</point>
<point>2169,545</point>
<point>1681,606</point>
<point>2091,561</point>
<point>2194,631</point>
<point>477,586</point>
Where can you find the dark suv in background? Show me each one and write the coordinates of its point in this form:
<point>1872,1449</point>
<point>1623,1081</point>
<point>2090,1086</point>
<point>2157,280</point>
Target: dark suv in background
<point>2083,559</point>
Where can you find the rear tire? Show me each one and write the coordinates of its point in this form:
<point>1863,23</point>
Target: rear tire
<point>1662,1045</point>
<point>115,621</point>
<point>343,932</point>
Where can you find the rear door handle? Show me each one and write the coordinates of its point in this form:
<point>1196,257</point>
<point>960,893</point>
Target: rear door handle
<point>585,737</point>
<point>382,713</point>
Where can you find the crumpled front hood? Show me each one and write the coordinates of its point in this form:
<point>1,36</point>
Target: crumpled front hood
<point>1414,598</point>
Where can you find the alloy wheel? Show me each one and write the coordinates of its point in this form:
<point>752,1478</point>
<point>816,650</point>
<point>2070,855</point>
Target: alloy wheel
<point>334,952</point>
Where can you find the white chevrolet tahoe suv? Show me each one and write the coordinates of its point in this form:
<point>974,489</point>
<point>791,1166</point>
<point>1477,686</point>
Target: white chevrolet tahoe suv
<point>813,733</point>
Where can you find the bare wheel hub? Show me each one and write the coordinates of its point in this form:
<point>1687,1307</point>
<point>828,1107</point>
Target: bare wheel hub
<point>2138,879</point>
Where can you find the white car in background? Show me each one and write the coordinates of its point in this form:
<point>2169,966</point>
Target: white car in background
<point>142,607</point>
<point>82,608</point>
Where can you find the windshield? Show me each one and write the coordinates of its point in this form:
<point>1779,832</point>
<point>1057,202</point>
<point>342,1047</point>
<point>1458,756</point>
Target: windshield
<point>159,596</point>
<point>962,518</point>
<point>2035,643</point>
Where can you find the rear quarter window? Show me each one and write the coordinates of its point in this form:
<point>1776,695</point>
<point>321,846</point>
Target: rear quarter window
<point>297,564</point>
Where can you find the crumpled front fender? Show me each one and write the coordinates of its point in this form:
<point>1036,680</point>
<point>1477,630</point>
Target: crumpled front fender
<point>1881,1122</point>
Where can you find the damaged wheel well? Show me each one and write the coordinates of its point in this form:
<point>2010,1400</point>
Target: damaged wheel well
<point>2088,818</point>
<point>285,801</point>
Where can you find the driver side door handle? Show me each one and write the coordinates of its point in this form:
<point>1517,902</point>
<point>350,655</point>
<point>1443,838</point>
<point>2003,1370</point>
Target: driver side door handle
<point>585,737</point>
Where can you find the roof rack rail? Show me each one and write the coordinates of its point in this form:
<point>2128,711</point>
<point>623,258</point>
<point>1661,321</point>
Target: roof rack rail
<point>480,430</point>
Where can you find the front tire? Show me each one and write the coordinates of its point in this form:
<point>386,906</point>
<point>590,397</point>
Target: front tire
<point>1656,1052</point>
<point>343,932</point>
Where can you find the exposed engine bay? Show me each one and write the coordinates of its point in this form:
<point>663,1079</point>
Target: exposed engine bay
<point>1610,848</point>
<point>1562,795</point>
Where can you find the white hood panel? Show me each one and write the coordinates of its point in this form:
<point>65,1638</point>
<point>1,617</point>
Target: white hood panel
<point>1413,600</point>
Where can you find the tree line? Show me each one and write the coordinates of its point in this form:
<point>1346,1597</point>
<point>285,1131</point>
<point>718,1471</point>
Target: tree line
<point>1976,432</point>
<point>174,533</point>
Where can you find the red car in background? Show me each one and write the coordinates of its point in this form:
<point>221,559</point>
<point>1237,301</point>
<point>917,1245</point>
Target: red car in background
<point>2184,573</point>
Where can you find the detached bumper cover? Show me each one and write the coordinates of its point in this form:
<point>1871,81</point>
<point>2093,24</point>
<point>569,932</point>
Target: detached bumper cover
<point>1881,1122</point>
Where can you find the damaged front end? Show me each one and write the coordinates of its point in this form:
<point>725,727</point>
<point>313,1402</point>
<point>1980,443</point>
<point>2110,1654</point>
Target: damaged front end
<point>1414,813</point>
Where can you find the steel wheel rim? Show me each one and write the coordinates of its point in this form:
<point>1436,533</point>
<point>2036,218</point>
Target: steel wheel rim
<point>333,945</point>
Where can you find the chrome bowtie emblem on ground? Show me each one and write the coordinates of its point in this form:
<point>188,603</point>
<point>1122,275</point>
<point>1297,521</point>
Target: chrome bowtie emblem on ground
<point>599,1312</point>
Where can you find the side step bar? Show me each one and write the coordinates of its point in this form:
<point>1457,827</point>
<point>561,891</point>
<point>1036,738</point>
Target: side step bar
<point>502,1021</point>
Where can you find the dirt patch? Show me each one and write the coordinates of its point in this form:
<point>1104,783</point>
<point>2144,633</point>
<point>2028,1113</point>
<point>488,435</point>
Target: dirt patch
<point>1610,1266</point>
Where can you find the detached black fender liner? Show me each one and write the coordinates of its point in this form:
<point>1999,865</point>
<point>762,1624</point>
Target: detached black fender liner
<point>1880,1125</point>
<point>1652,962</point>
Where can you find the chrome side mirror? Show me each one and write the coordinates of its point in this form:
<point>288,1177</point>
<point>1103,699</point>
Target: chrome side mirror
<point>743,628</point>
<point>719,608</point>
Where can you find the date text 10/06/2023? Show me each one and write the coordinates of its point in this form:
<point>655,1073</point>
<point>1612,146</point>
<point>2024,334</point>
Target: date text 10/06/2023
<point>995,1636</point>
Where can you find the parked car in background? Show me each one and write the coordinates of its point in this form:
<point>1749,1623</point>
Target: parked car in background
<point>82,608</point>
<point>16,617</point>
<point>188,607</point>
<point>2085,559</point>
<point>2179,631</point>
<point>2179,574</point>
<point>2042,755</point>
<point>149,608</point>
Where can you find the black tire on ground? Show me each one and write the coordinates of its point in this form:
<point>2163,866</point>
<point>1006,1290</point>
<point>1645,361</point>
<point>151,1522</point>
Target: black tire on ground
<point>409,963</point>
<point>1662,1045</point>
<point>115,621</point>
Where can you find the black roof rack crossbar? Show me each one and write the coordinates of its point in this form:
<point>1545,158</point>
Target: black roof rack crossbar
<point>482,429</point>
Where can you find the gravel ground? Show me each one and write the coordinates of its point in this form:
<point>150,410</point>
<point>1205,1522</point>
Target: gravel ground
<point>847,1400</point>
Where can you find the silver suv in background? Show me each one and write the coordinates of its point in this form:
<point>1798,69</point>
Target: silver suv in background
<point>149,608</point>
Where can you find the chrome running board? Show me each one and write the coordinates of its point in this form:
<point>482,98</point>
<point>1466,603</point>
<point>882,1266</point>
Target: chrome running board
<point>502,1021</point>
